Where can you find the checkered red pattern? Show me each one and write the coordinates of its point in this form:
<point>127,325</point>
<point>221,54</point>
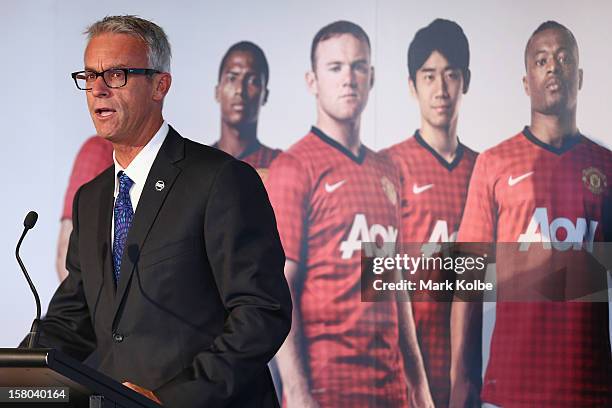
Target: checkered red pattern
<point>261,158</point>
<point>551,354</point>
<point>433,195</point>
<point>95,156</point>
<point>258,156</point>
<point>326,202</point>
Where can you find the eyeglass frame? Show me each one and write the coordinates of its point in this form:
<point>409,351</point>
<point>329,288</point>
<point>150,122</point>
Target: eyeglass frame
<point>126,71</point>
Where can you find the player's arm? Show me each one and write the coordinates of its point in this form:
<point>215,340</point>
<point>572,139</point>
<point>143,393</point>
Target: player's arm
<point>291,357</point>
<point>289,187</point>
<point>62,248</point>
<point>418,387</point>
<point>466,344</point>
<point>93,157</point>
<point>477,226</point>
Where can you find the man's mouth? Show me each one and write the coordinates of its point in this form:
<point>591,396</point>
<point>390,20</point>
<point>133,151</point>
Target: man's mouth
<point>442,108</point>
<point>104,112</point>
<point>553,85</point>
<point>349,96</point>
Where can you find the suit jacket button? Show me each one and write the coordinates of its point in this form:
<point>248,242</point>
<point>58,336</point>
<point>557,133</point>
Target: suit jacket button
<point>117,337</point>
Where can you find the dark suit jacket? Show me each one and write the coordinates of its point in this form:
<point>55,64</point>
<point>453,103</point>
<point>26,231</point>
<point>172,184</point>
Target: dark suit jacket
<point>202,303</point>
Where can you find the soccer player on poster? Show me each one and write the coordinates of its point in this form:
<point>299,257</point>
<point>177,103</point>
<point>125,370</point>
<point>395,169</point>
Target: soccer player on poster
<point>330,193</point>
<point>547,184</point>
<point>435,169</point>
<point>241,91</point>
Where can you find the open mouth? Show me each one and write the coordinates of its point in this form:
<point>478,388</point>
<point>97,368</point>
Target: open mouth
<point>104,112</point>
<point>553,85</point>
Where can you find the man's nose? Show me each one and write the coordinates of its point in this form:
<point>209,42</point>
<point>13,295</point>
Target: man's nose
<point>350,78</point>
<point>99,88</point>
<point>239,87</point>
<point>553,65</point>
<point>441,87</point>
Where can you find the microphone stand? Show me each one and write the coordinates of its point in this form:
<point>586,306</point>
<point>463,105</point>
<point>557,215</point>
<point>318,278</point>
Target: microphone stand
<point>33,336</point>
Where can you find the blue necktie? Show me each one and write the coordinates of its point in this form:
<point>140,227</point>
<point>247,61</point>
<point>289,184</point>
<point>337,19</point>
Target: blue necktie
<point>123,219</point>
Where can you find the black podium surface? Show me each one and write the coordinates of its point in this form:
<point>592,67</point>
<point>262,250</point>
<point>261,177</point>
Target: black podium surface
<point>53,371</point>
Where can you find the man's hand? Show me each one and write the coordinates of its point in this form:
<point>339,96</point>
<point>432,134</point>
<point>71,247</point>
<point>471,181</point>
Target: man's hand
<point>143,391</point>
<point>302,400</point>
<point>420,396</point>
<point>463,394</point>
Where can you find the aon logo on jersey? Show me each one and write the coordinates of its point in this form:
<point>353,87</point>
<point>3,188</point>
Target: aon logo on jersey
<point>438,234</point>
<point>540,230</point>
<point>383,236</point>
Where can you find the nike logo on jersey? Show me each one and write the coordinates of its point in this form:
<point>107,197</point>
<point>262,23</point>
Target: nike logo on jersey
<point>513,181</point>
<point>419,189</point>
<point>330,188</point>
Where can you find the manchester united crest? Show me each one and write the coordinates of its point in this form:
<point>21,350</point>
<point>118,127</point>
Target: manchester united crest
<point>389,190</point>
<point>594,180</point>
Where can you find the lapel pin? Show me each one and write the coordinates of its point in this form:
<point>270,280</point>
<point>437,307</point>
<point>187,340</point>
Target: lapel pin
<point>159,186</point>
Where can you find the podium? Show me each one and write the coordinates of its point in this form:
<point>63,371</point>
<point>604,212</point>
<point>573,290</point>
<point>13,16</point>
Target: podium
<point>48,378</point>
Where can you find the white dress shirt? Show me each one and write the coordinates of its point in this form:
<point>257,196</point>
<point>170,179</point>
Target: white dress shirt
<point>138,169</point>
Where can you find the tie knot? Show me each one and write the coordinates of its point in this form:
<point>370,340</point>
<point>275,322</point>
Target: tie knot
<point>124,182</point>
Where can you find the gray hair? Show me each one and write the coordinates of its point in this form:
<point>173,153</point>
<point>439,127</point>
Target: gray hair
<point>158,47</point>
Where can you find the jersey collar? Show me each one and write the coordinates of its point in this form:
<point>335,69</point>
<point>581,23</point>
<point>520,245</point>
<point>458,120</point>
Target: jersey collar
<point>321,135</point>
<point>567,143</point>
<point>449,166</point>
<point>250,149</point>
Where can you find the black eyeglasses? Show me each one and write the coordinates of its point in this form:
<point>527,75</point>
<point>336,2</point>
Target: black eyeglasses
<point>113,78</point>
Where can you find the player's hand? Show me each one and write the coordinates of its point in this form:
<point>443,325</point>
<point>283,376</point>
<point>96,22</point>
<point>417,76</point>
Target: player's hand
<point>143,391</point>
<point>420,397</point>
<point>302,400</point>
<point>464,395</point>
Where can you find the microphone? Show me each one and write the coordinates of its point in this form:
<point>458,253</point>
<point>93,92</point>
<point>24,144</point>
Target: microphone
<point>28,224</point>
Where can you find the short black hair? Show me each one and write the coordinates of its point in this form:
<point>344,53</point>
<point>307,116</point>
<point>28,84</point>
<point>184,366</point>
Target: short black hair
<point>446,37</point>
<point>335,29</point>
<point>550,25</point>
<point>258,55</point>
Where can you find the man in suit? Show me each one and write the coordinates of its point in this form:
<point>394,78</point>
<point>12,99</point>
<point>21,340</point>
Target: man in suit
<point>176,279</point>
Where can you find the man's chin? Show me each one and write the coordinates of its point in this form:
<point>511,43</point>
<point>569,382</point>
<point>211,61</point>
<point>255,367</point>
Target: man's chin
<point>555,108</point>
<point>105,134</point>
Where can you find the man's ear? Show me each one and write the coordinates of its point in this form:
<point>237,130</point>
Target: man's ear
<point>311,82</point>
<point>265,96</point>
<point>580,77</point>
<point>217,91</point>
<point>467,76</point>
<point>526,86</point>
<point>163,82</point>
<point>372,76</point>
<point>412,86</point>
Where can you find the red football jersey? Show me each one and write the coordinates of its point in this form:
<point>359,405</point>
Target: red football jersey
<point>545,354</point>
<point>433,194</point>
<point>327,202</point>
<point>259,156</point>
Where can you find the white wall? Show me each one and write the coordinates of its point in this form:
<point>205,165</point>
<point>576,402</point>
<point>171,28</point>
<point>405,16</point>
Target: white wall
<point>45,117</point>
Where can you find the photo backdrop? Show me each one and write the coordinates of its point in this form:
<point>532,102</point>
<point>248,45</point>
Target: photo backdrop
<point>45,118</point>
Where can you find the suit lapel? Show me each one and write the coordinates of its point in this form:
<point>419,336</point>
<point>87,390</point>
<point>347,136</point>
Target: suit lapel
<point>149,204</point>
<point>105,217</point>
<point>104,247</point>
